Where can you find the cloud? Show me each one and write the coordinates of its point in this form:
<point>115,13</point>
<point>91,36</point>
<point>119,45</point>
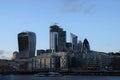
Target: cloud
<point>4,55</point>
<point>84,6</point>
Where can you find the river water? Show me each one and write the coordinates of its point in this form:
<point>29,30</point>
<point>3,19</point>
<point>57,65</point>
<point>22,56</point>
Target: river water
<point>32,77</point>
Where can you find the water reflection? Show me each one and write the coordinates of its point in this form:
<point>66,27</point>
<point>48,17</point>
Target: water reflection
<point>7,77</point>
<point>31,77</point>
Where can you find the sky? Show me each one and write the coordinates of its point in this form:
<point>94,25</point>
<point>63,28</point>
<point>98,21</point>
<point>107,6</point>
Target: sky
<point>96,20</point>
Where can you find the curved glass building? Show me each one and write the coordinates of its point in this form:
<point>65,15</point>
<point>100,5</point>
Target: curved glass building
<point>27,44</point>
<point>86,46</point>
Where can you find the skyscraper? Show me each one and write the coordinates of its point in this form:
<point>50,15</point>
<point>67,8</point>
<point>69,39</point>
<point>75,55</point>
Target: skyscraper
<point>57,38</point>
<point>27,44</point>
<point>80,45</point>
<point>74,42</point>
<point>86,46</point>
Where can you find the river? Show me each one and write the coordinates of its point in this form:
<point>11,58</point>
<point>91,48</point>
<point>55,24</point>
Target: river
<point>32,77</point>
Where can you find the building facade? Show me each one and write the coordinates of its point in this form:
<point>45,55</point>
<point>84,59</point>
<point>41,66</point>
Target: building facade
<point>58,60</point>
<point>26,44</point>
<point>86,46</point>
<point>57,38</point>
<point>74,42</point>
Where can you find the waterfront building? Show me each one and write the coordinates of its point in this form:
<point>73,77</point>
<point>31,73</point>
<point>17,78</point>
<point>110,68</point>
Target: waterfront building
<point>104,61</point>
<point>90,60</point>
<point>115,60</point>
<point>26,44</point>
<point>95,60</point>
<point>57,38</point>
<point>24,64</point>
<point>115,63</point>
<point>74,42</point>
<point>8,65</point>
<point>58,60</point>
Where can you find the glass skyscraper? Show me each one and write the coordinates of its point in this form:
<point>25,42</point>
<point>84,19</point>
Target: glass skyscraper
<point>86,46</point>
<point>74,42</point>
<point>26,44</point>
<point>57,38</point>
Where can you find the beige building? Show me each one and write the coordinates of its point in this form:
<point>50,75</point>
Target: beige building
<point>57,60</point>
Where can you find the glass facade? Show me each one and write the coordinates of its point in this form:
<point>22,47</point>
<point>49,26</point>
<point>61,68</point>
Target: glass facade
<point>74,42</point>
<point>57,39</point>
<point>26,44</point>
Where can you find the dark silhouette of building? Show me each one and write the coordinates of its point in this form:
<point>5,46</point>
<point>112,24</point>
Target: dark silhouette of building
<point>80,45</point>
<point>57,38</point>
<point>115,63</point>
<point>48,51</point>
<point>69,46</point>
<point>27,44</point>
<point>86,46</point>
<point>39,52</point>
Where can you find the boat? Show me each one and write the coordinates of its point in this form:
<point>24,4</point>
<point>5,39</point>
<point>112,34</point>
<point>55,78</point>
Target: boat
<point>53,74</point>
<point>48,74</point>
<point>40,75</point>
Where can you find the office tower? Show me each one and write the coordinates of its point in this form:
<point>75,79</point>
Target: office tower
<point>57,39</point>
<point>80,45</point>
<point>86,46</point>
<point>69,46</point>
<point>26,44</point>
<point>74,42</point>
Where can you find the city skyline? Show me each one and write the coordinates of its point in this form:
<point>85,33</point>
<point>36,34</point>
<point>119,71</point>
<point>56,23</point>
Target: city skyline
<point>98,21</point>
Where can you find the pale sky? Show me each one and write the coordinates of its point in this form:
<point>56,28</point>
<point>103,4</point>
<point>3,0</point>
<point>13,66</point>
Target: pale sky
<point>96,20</point>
